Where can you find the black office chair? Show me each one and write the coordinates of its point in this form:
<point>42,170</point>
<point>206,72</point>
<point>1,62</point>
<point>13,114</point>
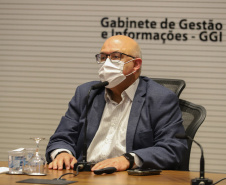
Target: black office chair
<point>193,116</point>
<point>175,85</point>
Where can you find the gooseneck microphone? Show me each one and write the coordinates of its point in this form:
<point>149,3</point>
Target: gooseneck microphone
<point>84,165</point>
<point>99,85</point>
<point>201,180</point>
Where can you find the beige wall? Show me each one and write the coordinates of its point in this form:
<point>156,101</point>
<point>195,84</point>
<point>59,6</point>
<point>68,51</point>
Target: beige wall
<point>47,49</point>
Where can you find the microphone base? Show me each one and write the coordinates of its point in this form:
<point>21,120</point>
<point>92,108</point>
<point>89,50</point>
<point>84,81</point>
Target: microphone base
<point>83,166</point>
<point>200,181</point>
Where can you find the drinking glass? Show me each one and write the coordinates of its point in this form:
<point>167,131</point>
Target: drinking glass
<point>36,165</point>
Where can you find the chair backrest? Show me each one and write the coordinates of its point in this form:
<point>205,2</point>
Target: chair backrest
<point>193,116</point>
<point>175,85</point>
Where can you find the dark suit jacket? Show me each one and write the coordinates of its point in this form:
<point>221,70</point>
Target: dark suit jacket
<point>155,118</point>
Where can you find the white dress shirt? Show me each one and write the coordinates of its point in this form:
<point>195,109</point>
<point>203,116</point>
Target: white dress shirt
<point>110,138</point>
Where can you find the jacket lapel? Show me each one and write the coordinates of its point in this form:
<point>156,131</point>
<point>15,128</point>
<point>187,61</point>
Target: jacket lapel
<point>137,104</point>
<point>95,114</point>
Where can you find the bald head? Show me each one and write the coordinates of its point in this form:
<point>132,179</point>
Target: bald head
<point>132,57</point>
<point>122,44</point>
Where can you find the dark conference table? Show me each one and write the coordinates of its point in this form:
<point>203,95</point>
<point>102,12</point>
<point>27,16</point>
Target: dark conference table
<point>167,177</point>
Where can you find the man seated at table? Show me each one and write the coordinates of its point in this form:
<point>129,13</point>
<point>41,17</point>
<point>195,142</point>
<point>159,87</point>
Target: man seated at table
<point>131,122</point>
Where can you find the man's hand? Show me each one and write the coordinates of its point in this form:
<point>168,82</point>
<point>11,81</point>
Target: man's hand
<point>120,163</point>
<point>63,158</point>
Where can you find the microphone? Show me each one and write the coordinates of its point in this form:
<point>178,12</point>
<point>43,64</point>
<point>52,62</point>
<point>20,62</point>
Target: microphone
<point>84,165</point>
<point>107,170</point>
<point>99,85</point>
<point>201,180</point>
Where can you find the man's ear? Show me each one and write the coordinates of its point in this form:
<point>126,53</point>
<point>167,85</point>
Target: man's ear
<point>137,64</point>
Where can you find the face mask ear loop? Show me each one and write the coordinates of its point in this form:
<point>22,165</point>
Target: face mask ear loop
<point>133,71</point>
<point>129,61</point>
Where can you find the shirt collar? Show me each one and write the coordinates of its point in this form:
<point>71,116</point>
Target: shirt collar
<point>130,91</point>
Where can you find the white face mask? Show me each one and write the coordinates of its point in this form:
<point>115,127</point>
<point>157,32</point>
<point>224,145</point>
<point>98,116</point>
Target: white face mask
<point>113,72</point>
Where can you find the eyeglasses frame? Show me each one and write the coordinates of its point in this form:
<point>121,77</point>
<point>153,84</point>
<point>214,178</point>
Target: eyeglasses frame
<point>108,55</point>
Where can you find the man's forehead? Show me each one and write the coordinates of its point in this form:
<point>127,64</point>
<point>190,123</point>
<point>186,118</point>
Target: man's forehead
<point>120,44</point>
<point>115,48</point>
<point>111,50</point>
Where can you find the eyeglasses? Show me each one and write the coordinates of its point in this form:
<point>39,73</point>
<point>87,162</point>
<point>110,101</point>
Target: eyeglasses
<point>114,57</point>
